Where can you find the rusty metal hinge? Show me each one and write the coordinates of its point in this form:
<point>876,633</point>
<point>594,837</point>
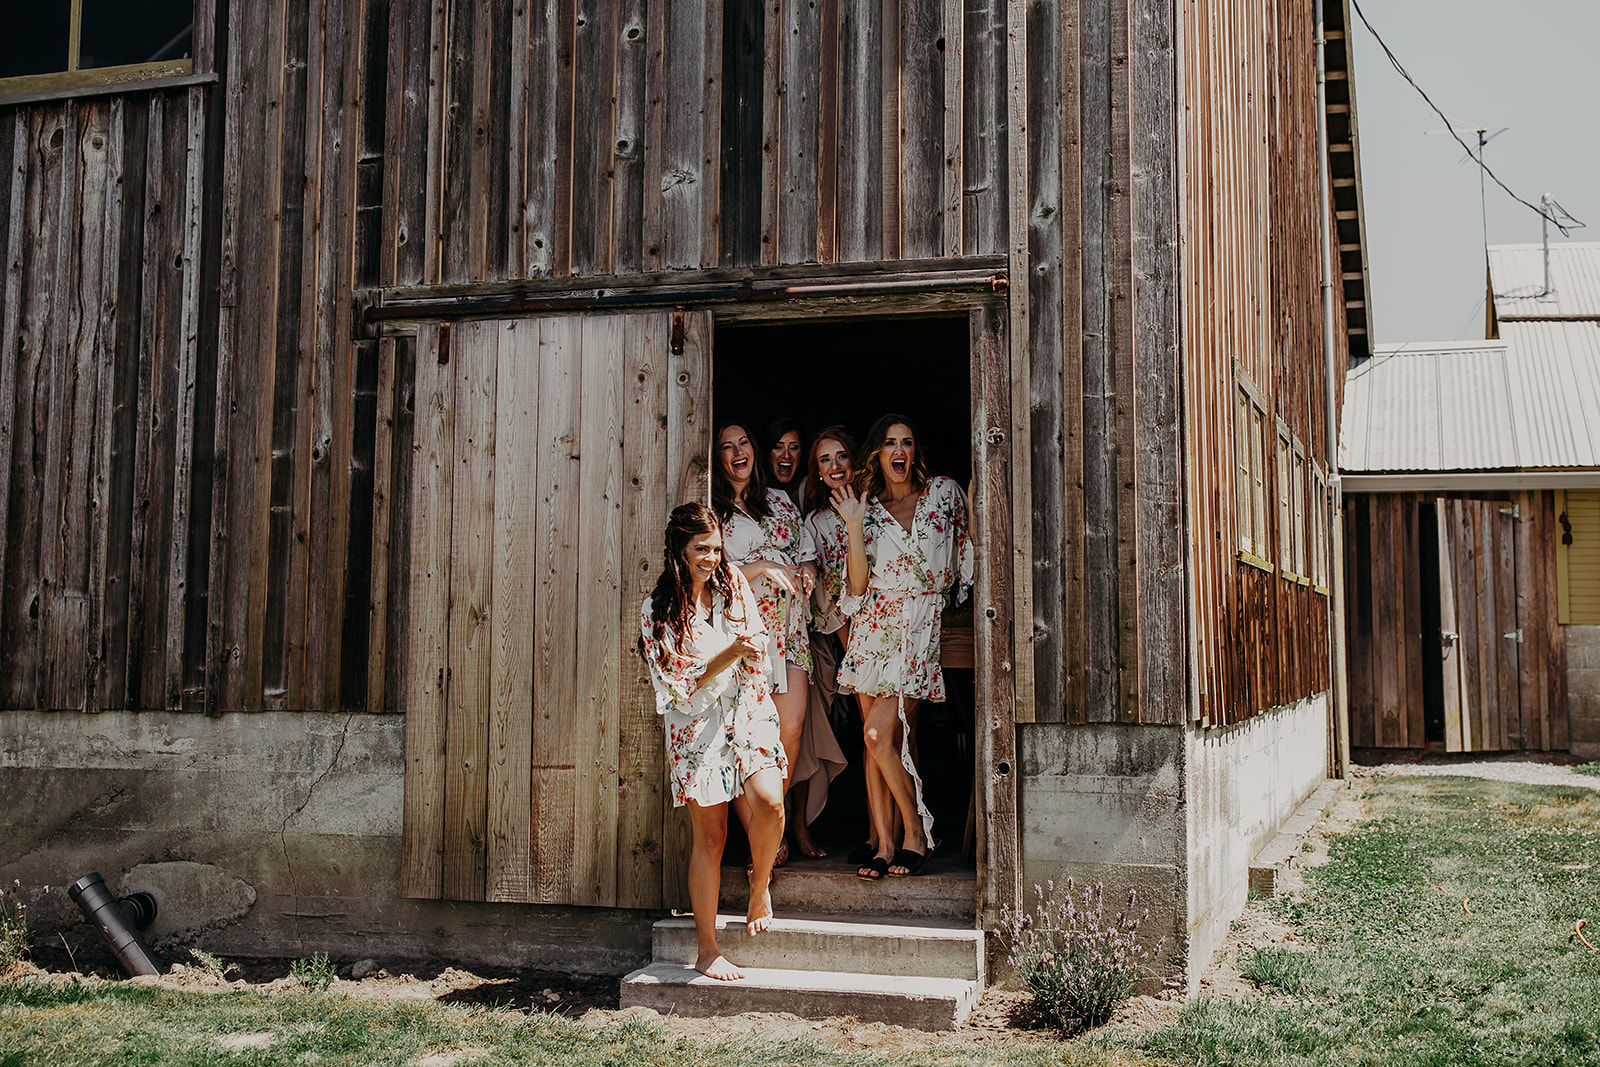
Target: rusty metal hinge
<point>677,330</point>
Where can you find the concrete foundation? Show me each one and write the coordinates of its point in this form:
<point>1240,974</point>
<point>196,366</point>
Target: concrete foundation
<point>1174,813</point>
<point>261,835</point>
<point>1583,691</point>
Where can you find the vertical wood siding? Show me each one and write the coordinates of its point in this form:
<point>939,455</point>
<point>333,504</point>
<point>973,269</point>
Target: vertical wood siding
<point>1503,675</point>
<point>1251,308</point>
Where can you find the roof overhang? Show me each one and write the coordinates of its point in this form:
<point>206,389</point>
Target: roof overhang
<point>1344,165</point>
<point>1466,482</point>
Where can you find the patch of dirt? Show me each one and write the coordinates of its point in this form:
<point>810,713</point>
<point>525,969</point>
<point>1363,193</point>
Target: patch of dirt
<point>1002,1014</point>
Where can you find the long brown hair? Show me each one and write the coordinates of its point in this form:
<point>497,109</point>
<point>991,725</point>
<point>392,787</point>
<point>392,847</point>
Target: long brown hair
<point>755,494</point>
<point>672,602</point>
<point>868,475</point>
<point>818,495</point>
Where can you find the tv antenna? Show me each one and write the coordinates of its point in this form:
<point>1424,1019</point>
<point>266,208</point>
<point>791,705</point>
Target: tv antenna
<point>1484,137</point>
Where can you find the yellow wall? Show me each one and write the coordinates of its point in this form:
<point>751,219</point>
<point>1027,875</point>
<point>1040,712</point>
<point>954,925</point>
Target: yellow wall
<point>1579,562</point>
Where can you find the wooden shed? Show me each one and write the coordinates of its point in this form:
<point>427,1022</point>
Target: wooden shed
<point>351,369</point>
<point>1473,470</point>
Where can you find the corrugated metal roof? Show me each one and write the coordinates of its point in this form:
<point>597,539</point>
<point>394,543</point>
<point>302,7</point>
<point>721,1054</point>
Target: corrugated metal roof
<point>1516,275</point>
<point>1529,401</point>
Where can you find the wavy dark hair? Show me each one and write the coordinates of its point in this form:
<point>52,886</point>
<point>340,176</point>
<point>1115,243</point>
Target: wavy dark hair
<point>672,602</point>
<point>818,496</point>
<point>755,494</point>
<point>868,475</point>
<point>773,432</point>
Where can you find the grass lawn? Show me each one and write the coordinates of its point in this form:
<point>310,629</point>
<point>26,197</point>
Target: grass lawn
<point>1439,932</point>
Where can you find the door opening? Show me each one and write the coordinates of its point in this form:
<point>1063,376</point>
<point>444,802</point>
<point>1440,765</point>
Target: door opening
<point>849,372</point>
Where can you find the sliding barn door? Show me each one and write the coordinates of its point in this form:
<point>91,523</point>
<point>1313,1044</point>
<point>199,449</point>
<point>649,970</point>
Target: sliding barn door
<point>1503,657</point>
<point>548,452</point>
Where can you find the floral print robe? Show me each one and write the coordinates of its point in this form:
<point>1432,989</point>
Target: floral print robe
<point>721,732</point>
<point>779,538</point>
<point>894,625</point>
<point>832,541</point>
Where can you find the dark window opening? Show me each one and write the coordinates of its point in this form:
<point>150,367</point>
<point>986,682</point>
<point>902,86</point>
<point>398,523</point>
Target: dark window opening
<point>111,33</point>
<point>850,372</point>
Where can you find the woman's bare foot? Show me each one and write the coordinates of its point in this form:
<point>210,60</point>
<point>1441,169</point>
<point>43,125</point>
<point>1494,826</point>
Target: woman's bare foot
<point>719,968</point>
<point>783,854</point>
<point>758,917</point>
<point>805,845</point>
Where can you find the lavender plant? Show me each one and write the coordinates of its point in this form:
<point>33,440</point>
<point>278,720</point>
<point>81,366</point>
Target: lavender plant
<point>14,933</point>
<point>1079,964</point>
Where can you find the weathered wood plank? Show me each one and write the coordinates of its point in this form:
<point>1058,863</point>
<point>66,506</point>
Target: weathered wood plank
<point>15,145</point>
<point>407,180</point>
<point>859,223</point>
<point>516,522</point>
<point>921,131</point>
<point>739,157</point>
<point>427,660</point>
<point>1532,662</point>
<point>641,794</point>
<point>1156,417</point>
<point>1069,640</point>
<point>1467,585</point>
<point>828,132</point>
<point>556,718</point>
<point>1507,706</point>
<point>999,866</point>
<point>653,210</point>
<point>629,188</point>
<point>1386,623</point>
<point>1311,614</point>
<point>599,614</point>
<point>593,143</point>
<point>1555,651</point>
<point>799,131</point>
<point>1450,645</point>
<point>55,581</point>
<point>501,199</point>
<point>953,182</point>
<point>432,256</point>
<point>983,213</point>
<point>402,517</point>
<point>462,219</point>
<point>283,661</point>
<point>360,663</point>
<point>1049,355</point>
<point>889,131</point>
<point>1122,293</point>
<point>379,695</point>
<point>772,132</point>
<point>474,360</point>
<point>710,166</point>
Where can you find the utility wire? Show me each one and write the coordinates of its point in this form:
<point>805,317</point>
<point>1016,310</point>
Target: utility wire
<point>1566,228</point>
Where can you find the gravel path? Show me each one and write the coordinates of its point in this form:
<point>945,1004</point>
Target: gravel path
<point>1523,770</point>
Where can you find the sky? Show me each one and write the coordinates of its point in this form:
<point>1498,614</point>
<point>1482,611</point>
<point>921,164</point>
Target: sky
<point>1529,66</point>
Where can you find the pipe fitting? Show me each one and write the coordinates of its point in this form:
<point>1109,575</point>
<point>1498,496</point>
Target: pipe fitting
<point>118,920</point>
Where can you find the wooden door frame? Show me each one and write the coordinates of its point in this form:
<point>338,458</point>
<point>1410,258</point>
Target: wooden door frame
<point>999,566</point>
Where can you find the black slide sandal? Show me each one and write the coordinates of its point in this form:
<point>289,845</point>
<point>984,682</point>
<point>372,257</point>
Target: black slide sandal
<point>877,865</point>
<point>911,861</point>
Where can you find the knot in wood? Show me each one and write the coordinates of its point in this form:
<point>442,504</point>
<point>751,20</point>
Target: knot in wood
<point>996,435</point>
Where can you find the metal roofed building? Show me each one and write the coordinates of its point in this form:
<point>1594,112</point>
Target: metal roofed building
<point>1472,478</point>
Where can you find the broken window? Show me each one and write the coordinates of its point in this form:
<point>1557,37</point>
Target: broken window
<point>1250,444</point>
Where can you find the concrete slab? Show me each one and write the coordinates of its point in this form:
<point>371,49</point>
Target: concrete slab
<point>809,945</point>
<point>1275,858</point>
<point>919,1003</point>
<point>944,891</point>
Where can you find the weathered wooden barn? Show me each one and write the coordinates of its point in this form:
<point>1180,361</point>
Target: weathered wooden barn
<point>352,362</point>
<point>1473,522</point>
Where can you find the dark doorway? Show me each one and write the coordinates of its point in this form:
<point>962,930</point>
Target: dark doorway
<point>1432,649</point>
<point>850,372</point>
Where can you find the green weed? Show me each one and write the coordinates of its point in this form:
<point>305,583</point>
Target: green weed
<point>315,974</point>
<point>1592,769</point>
<point>14,933</point>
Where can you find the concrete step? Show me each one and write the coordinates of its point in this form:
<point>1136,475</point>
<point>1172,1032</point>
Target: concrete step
<point>944,891</point>
<point>1276,856</point>
<point>920,1003</point>
<point>929,950</point>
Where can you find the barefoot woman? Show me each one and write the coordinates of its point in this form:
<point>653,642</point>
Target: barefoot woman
<point>908,551</point>
<point>702,636</point>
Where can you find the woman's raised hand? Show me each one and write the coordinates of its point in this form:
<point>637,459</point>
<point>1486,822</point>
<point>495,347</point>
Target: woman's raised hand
<point>851,508</point>
<point>749,646</point>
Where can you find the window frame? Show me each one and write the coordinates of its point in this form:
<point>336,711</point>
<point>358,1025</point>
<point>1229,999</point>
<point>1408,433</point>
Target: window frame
<point>1252,544</point>
<point>75,78</point>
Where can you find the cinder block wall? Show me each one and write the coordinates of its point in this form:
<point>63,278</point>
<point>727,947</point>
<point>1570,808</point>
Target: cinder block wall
<point>261,835</point>
<point>1583,691</point>
<point>1242,782</point>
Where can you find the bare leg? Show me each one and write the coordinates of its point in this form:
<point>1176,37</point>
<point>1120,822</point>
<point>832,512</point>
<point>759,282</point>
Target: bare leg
<point>799,795</point>
<point>765,792</point>
<point>710,826</point>
<point>792,707</point>
<point>883,747</point>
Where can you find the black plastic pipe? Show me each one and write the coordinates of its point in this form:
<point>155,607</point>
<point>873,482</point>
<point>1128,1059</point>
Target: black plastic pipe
<point>119,921</point>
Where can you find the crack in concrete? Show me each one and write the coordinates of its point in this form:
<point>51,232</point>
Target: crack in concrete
<point>283,830</point>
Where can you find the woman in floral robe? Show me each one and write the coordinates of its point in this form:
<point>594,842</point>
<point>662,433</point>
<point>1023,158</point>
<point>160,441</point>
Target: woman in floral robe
<point>766,540</point>
<point>701,634</point>
<point>908,554</point>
